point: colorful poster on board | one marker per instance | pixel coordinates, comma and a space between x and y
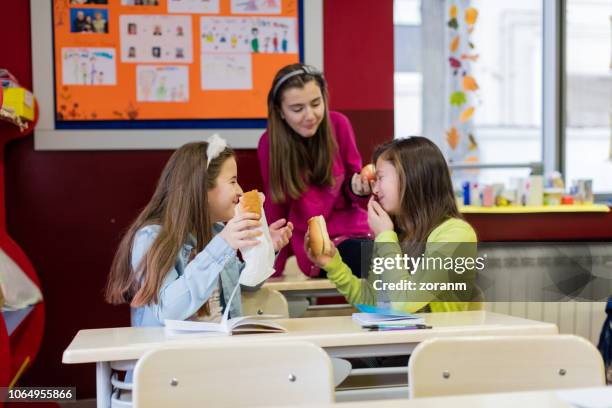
170, 59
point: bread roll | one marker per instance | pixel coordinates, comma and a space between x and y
320, 244
250, 202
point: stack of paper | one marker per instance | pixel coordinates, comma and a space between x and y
371, 315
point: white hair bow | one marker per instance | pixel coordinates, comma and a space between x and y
216, 145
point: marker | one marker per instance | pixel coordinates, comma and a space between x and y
390, 328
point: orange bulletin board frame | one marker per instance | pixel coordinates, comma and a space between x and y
84, 99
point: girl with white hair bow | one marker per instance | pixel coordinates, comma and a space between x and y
178, 260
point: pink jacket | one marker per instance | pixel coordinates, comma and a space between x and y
343, 211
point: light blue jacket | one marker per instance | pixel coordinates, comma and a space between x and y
189, 284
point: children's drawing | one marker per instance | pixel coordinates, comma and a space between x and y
226, 71
266, 35
156, 38
162, 83
88, 66
256, 6
194, 6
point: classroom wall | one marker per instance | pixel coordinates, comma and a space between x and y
67, 209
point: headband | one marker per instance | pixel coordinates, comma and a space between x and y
305, 69
216, 145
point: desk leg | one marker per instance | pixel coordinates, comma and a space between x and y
103, 384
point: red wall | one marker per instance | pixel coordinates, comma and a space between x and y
67, 209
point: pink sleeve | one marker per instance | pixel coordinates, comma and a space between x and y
350, 156
274, 211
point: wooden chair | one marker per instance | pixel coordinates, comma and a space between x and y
469, 365
287, 373
264, 301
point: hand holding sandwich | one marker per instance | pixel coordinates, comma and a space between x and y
318, 246
241, 231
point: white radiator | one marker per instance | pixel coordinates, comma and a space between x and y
581, 318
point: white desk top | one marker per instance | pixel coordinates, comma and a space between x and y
127, 343
599, 397
298, 283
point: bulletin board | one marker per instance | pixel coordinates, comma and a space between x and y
169, 63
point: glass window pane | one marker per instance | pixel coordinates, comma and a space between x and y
506, 63
588, 131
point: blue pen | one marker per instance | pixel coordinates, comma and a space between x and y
391, 328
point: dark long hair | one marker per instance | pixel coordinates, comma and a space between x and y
426, 191
297, 162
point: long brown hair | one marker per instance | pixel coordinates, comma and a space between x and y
426, 190
180, 206
297, 162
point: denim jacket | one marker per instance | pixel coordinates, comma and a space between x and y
189, 284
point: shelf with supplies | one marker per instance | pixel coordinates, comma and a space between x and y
577, 208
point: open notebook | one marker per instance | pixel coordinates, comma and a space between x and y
372, 315
237, 325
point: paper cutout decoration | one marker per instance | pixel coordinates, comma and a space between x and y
469, 83
452, 137
462, 86
457, 99
473, 145
454, 62
468, 57
467, 114
454, 45
471, 15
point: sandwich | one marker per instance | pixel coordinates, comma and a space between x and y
320, 244
250, 202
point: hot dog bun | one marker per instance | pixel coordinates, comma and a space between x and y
250, 202
320, 244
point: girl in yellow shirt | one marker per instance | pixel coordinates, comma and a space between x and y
412, 213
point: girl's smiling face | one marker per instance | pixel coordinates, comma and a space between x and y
386, 187
303, 108
223, 198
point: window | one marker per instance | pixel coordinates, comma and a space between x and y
507, 39
588, 92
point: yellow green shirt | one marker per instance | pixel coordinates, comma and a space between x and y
356, 290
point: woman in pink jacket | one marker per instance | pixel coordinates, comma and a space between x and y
310, 166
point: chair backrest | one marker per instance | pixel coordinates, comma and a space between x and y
264, 374
469, 365
264, 301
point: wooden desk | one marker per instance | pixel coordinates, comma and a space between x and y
300, 285
339, 336
297, 289
531, 399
